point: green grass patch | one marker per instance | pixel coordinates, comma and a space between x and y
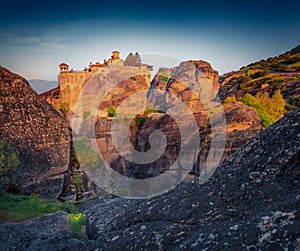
20, 207
85, 155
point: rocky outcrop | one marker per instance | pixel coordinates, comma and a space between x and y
251, 202
38, 134
52, 97
193, 83
242, 124
48, 232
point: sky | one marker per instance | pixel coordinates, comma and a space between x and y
36, 36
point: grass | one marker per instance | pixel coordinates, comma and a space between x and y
20, 207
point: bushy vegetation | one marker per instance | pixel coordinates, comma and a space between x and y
266, 118
149, 111
9, 163
77, 221
229, 100
111, 111
164, 78
269, 75
86, 114
85, 155
20, 207
139, 120
64, 107
273, 106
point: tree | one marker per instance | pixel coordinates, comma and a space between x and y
265, 117
138, 58
278, 104
133, 60
273, 106
264, 100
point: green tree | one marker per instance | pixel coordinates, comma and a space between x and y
278, 104
266, 118
264, 100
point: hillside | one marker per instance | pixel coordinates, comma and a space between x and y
275, 73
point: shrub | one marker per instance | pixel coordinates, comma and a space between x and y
77, 221
64, 107
139, 120
111, 111
133, 78
229, 99
266, 118
149, 111
9, 163
71, 207
86, 114
164, 78
20, 207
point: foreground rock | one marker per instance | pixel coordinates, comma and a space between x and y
49, 232
38, 134
250, 203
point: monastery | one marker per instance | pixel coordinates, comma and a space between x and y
71, 82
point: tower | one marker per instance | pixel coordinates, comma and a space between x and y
115, 55
63, 67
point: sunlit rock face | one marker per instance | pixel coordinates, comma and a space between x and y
193, 83
38, 134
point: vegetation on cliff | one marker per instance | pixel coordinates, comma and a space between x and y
276, 73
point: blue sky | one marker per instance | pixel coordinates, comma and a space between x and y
35, 36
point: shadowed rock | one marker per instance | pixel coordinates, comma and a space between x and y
38, 134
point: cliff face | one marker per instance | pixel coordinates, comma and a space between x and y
251, 202
39, 135
193, 83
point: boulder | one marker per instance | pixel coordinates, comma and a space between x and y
39, 135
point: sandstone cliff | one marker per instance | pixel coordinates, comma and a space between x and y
39, 135
193, 83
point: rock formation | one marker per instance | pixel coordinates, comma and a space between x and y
251, 202
193, 83
52, 97
38, 134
